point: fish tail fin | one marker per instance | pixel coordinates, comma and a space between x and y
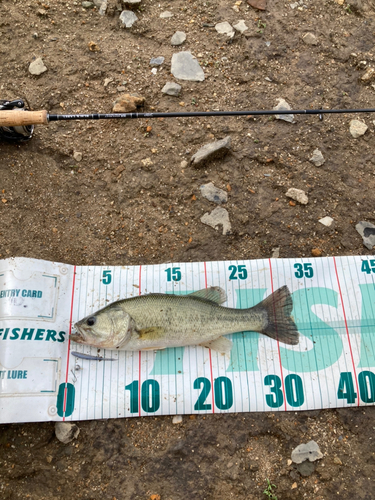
280, 325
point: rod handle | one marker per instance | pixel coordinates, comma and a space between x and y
19, 117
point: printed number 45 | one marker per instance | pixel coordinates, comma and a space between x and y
305, 270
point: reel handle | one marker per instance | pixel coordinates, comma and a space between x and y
15, 117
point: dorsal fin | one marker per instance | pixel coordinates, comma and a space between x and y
214, 294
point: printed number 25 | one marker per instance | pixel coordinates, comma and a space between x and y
242, 272
305, 270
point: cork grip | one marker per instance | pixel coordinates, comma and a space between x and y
15, 117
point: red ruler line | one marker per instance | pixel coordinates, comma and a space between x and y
209, 351
278, 345
70, 331
140, 355
347, 329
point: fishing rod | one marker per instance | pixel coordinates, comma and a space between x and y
17, 125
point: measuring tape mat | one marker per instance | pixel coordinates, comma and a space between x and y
332, 366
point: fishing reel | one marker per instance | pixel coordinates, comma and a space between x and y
17, 133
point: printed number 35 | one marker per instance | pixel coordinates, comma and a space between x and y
305, 270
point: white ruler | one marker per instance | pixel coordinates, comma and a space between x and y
333, 365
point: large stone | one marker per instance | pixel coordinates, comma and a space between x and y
208, 152
367, 231
317, 158
171, 88
214, 194
128, 18
357, 128
309, 451
178, 38
225, 28
37, 67
126, 103
297, 195
66, 431
186, 67
218, 217
283, 106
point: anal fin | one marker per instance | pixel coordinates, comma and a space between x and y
222, 344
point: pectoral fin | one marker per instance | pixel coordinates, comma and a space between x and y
222, 344
214, 294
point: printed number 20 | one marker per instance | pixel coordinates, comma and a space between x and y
305, 270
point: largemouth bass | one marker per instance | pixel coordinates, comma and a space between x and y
158, 321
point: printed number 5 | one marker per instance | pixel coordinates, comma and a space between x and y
305, 270
107, 277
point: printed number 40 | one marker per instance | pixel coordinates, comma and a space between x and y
305, 270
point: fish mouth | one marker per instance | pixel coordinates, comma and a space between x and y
77, 337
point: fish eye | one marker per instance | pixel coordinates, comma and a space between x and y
91, 321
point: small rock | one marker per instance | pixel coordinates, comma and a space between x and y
368, 76
185, 67
103, 7
306, 468
326, 221
367, 231
289, 462
37, 67
154, 71
177, 419
121, 88
155, 497
240, 26
297, 195
184, 164
337, 461
310, 39
127, 103
317, 158
283, 105
77, 156
258, 4
157, 61
66, 431
316, 252
218, 217
147, 162
128, 18
212, 193
309, 451
357, 128
93, 47
171, 88
294, 486
166, 14
225, 28
107, 81
178, 38
216, 149
87, 5
275, 253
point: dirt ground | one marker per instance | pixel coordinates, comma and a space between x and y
112, 208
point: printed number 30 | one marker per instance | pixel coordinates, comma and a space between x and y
305, 270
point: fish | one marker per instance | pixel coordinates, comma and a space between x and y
159, 321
